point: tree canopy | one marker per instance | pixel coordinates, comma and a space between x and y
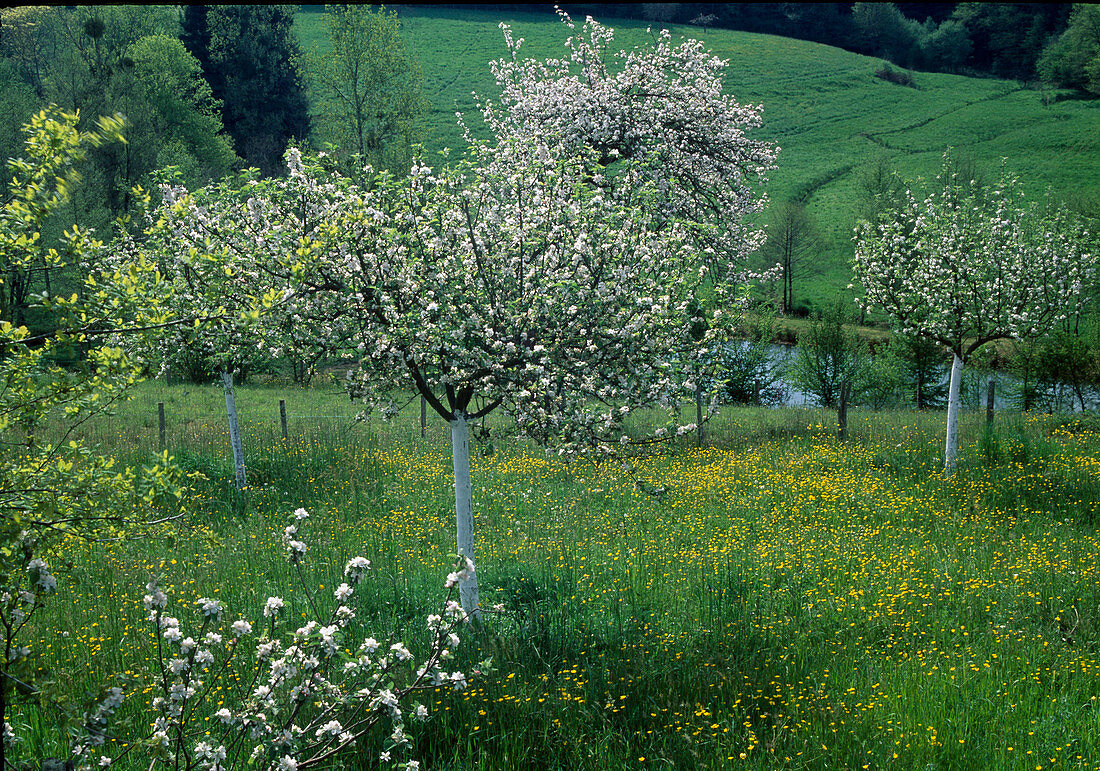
1073, 59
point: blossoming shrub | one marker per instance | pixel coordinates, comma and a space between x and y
296, 696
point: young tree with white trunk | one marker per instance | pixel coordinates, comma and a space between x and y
512, 282
216, 256
964, 265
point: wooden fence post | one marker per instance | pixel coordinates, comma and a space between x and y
160, 416
842, 410
700, 431
989, 402
234, 430
282, 416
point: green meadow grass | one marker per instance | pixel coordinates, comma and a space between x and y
783, 600
823, 106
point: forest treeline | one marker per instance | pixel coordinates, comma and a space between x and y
1004, 40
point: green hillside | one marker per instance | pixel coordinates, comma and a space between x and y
824, 106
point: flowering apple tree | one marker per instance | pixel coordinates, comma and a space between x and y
664, 110
963, 266
509, 281
656, 118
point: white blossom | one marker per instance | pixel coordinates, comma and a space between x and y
210, 608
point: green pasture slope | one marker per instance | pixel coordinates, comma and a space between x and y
825, 108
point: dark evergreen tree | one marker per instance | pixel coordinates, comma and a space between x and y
250, 58
195, 35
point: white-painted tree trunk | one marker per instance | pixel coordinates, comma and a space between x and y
234, 429
700, 431
952, 442
464, 509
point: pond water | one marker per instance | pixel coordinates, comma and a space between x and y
974, 388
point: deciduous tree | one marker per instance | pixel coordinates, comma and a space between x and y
551, 273
371, 102
830, 357
661, 111
218, 264
964, 265
1073, 59
791, 244
511, 278
53, 485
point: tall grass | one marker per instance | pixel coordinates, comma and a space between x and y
786, 600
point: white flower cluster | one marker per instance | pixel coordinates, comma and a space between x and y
17, 604
347, 694
465, 574
965, 266
39, 574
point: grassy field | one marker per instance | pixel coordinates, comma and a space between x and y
824, 106
788, 601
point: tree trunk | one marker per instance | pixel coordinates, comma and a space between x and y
700, 432
789, 277
234, 430
4, 714
952, 442
464, 509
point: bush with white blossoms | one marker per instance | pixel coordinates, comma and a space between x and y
21, 595
296, 697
